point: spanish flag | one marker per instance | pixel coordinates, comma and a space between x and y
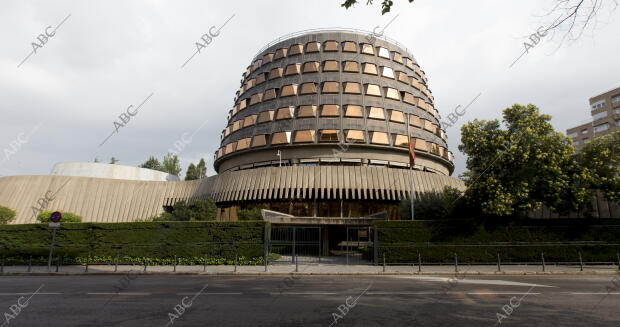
411, 151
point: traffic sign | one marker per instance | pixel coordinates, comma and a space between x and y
55, 217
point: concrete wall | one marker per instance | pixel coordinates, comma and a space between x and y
103, 170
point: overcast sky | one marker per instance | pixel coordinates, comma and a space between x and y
60, 104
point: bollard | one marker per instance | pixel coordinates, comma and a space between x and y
419, 262
235, 263
87, 260
542, 256
2, 266
57, 263
456, 263
296, 264
204, 267
499, 263
383, 261
580, 262
30, 264
146, 262
116, 263
175, 264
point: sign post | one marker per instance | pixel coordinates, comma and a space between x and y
55, 218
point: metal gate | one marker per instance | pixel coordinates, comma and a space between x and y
295, 243
359, 245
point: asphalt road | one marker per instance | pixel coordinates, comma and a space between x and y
150, 300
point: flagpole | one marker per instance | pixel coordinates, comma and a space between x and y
411, 186
411, 163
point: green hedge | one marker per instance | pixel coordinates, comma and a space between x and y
560, 240
158, 240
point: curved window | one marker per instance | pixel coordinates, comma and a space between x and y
292, 69
400, 140
259, 140
330, 87
370, 69
256, 98
288, 90
243, 144
408, 97
237, 125
250, 84
270, 94
285, 113
379, 138
268, 58
330, 66
304, 136
308, 88
260, 78
350, 67
381, 52
391, 93
408, 63
330, 46
352, 88
349, 46
256, 65
243, 104
230, 148
355, 136
227, 130
402, 77
330, 110
353, 111
281, 138
397, 116
367, 49
373, 89
265, 116
387, 72
414, 121
276, 73
295, 49
420, 144
313, 47
280, 53
415, 83
429, 126
311, 67
249, 121
433, 148
376, 113
397, 57
329, 135
306, 111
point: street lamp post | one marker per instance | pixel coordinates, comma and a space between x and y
279, 154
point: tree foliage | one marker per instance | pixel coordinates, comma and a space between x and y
199, 210
386, 5
6, 215
515, 170
249, 214
152, 163
196, 171
67, 217
171, 164
447, 204
201, 169
601, 157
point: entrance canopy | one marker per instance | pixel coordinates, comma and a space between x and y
275, 217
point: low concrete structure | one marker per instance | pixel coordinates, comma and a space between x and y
103, 170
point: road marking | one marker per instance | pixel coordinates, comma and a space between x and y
123, 293
593, 293
501, 293
213, 293
464, 279
405, 293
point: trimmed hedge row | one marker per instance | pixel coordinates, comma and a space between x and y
218, 240
560, 240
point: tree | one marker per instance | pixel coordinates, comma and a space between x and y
152, 163
113, 160
201, 169
447, 204
192, 173
601, 157
386, 5
171, 164
515, 170
250, 214
6, 215
199, 210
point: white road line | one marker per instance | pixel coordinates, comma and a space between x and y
124, 293
404, 293
593, 293
464, 279
303, 293
213, 293
501, 293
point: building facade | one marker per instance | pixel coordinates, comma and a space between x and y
605, 111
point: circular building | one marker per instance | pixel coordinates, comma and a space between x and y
320, 126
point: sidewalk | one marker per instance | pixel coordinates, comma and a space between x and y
316, 269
